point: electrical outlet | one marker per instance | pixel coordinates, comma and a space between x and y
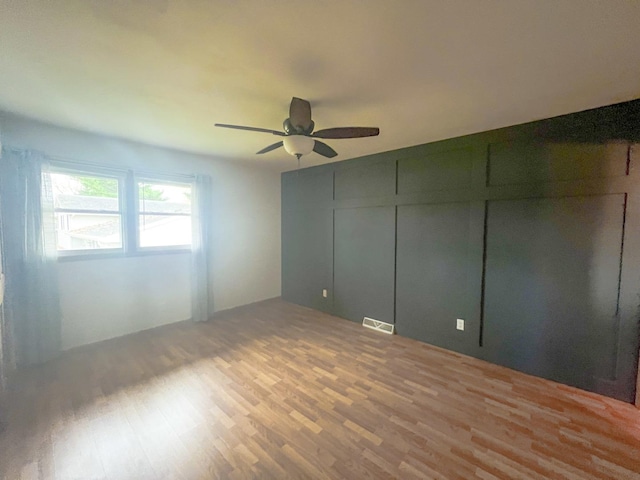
460, 324
324, 292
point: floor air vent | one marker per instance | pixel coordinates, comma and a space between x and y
378, 325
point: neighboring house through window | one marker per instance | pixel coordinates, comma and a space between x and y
88, 212
164, 214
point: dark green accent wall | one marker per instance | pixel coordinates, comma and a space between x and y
364, 241
531, 234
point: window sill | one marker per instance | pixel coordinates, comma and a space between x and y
114, 255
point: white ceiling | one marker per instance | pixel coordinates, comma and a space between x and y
164, 71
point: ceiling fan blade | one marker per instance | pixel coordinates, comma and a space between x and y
300, 113
251, 129
347, 132
324, 149
270, 147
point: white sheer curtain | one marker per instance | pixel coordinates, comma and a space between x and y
32, 304
201, 288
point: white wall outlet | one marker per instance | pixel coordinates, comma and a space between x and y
459, 323
324, 292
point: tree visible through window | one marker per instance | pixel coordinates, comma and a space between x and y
98, 187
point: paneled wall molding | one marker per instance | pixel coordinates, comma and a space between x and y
529, 234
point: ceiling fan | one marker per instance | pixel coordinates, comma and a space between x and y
299, 137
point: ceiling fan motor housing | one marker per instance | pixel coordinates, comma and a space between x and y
291, 129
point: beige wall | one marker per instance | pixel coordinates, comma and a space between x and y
112, 297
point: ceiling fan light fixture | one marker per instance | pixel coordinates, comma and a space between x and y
298, 144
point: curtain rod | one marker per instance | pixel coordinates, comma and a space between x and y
63, 161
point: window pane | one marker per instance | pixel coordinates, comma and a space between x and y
87, 212
88, 231
164, 198
164, 230
84, 192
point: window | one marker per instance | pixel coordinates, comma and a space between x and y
164, 214
88, 212
119, 212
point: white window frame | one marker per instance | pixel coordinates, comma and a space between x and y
128, 209
120, 177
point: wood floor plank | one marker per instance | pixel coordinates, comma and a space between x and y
274, 390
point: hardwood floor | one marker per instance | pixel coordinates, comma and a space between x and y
275, 390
